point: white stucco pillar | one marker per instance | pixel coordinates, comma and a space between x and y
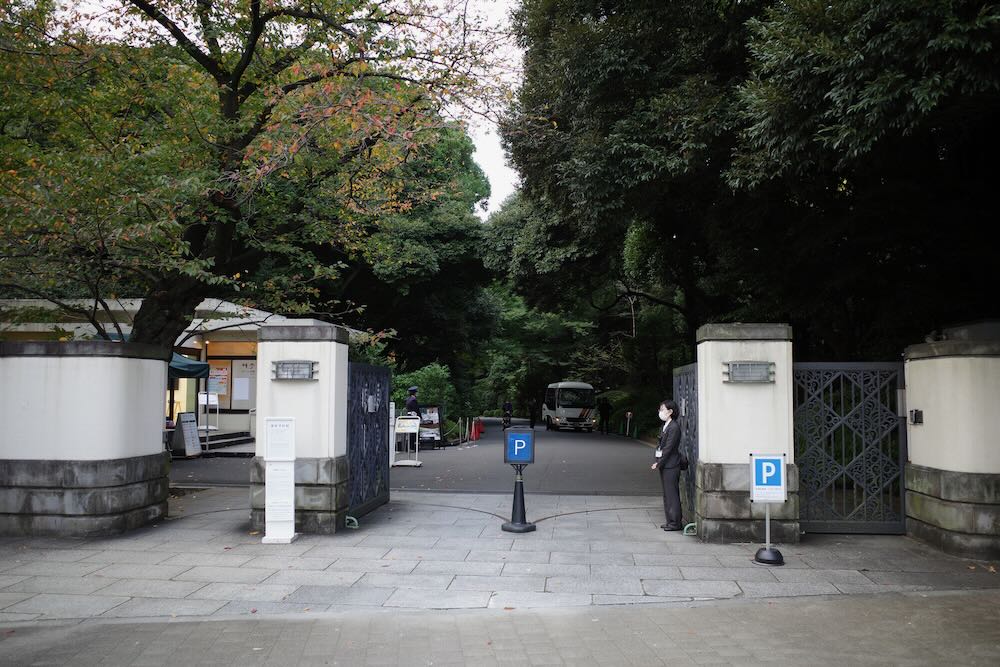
953, 437
318, 404
736, 418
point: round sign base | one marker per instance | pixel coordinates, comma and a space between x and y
512, 527
770, 556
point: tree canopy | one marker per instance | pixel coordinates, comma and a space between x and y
173, 150
826, 164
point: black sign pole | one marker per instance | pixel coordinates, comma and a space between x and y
518, 521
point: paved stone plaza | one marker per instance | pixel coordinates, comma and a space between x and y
598, 576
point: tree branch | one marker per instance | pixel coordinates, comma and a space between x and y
207, 30
310, 15
211, 65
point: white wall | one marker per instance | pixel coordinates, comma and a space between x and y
80, 408
960, 399
735, 419
318, 406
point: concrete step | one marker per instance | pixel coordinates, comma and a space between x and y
241, 449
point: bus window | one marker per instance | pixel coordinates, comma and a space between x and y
576, 398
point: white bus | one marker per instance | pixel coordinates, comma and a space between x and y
569, 405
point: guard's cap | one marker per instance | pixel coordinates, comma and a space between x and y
412, 389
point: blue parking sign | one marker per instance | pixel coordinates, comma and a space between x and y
519, 447
767, 478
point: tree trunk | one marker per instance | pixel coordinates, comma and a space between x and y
167, 310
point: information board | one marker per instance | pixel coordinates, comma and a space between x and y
186, 435
408, 424
279, 439
279, 480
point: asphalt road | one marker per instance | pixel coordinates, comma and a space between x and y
565, 463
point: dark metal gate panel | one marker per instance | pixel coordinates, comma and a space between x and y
850, 447
368, 437
686, 397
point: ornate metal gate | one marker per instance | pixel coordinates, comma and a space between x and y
850, 447
686, 397
368, 437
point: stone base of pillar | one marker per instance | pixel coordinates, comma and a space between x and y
82, 498
957, 512
321, 495
725, 514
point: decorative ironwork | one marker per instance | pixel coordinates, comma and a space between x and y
686, 397
368, 437
850, 447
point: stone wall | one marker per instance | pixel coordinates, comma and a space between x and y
957, 512
82, 498
725, 513
321, 494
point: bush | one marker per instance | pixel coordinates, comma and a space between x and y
435, 387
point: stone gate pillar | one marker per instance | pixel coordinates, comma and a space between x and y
318, 402
953, 433
740, 412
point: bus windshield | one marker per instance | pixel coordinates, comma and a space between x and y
576, 398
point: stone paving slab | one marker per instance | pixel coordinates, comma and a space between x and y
533, 600
465, 568
150, 607
511, 583
377, 565
360, 595
421, 599
764, 589
759, 573
72, 585
312, 578
547, 569
51, 605
134, 571
245, 592
232, 575
695, 589
290, 563
153, 588
608, 585
129, 557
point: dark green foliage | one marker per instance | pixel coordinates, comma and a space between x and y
831, 165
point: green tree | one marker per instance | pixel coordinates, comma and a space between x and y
435, 388
174, 150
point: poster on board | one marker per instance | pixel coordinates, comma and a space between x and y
430, 425
218, 380
185, 441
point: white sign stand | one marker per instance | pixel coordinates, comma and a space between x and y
392, 434
407, 425
768, 485
279, 480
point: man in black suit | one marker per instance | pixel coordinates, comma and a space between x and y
668, 462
